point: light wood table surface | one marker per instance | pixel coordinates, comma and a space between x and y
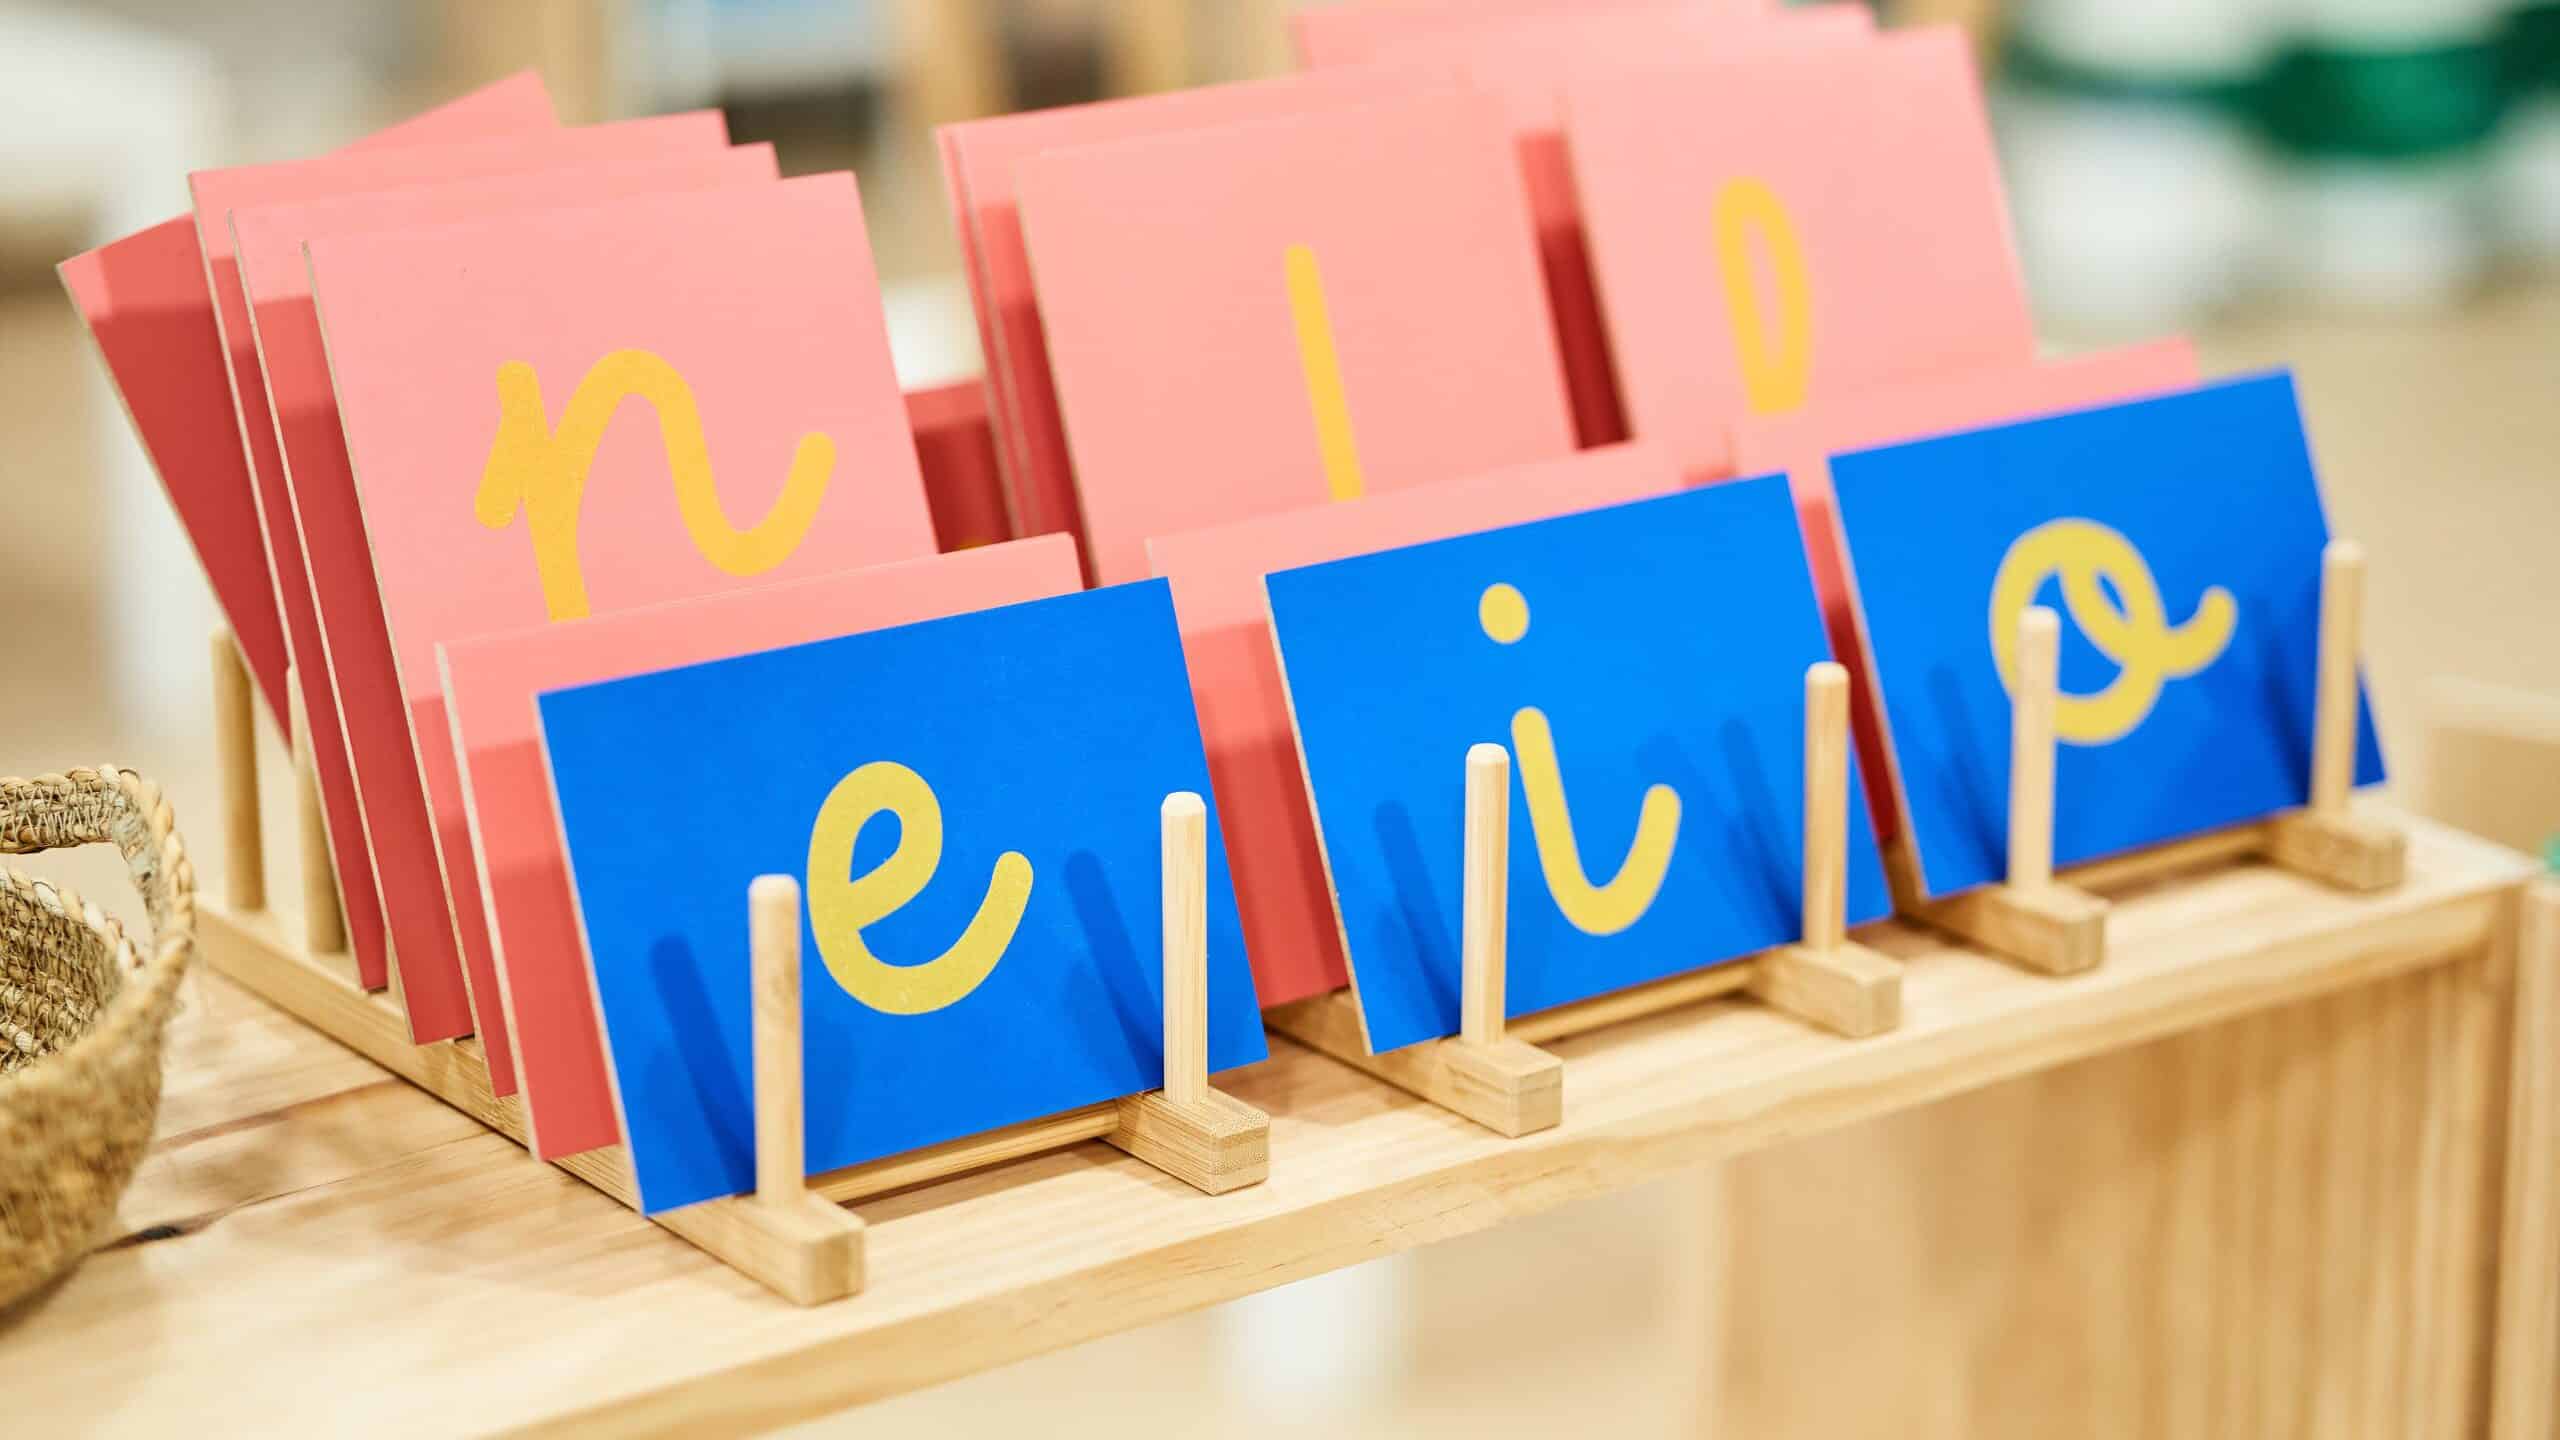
315, 1246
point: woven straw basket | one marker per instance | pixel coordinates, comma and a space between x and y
81, 1015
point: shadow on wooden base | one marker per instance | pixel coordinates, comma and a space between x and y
1513, 1087
1493, 1072
792, 1235
1216, 1145
1510, 1087
1493, 1069
2059, 926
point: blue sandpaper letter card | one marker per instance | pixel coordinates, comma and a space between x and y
2180, 541
1644, 664
972, 807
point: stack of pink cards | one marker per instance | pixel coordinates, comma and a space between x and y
479, 373
484, 408
981, 163
1524, 54
1801, 223
1249, 318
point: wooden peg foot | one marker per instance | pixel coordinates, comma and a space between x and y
1509, 1086
2325, 840
1846, 988
2030, 919
2052, 928
800, 1244
1211, 1142
2350, 852
1824, 979
807, 1250
1214, 1144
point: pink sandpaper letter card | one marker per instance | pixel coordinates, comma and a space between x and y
1526, 59
146, 304
1291, 929
220, 194
1810, 222
479, 370
1253, 318
490, 684
979, 161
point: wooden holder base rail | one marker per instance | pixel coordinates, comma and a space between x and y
793, 1234
2042, 923
1493, 1071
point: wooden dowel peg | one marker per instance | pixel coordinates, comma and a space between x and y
1826, 805
2053, 928
773, 921
2326, 840
791, 1238
2333, 717
1208, 1140
1484, 1072
1485, 918
2032, 687
1824, 979
1186, 948
324, 926
235, 746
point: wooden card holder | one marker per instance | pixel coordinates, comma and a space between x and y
2057, 927
793, 1233
1493, 1071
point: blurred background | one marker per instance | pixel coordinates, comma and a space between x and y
2366, 190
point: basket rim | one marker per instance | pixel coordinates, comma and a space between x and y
142, 1000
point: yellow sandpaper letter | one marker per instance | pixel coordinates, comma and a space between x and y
1503, 613
1777, 371
1335, 444
842, 905
543, 472
1593, 909
2130, 626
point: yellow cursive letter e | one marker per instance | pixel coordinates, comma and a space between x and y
841, 907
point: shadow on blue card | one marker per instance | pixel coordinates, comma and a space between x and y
1645, 665
972, 806
2179, 538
